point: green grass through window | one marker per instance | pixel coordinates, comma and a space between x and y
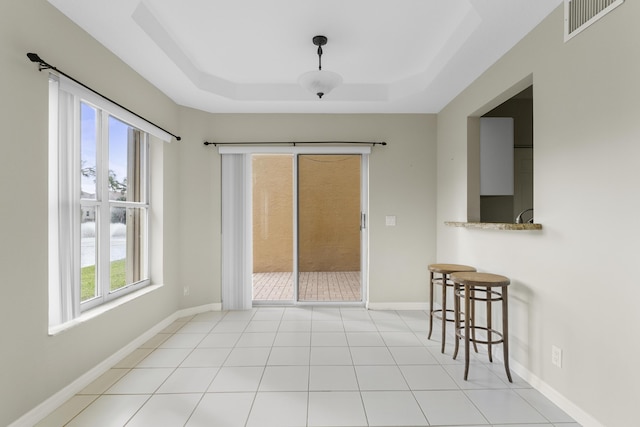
88, 279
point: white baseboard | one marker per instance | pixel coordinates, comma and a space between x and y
575, 412
197, 310
51, 404
398, 305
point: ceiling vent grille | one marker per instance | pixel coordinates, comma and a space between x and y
580, 14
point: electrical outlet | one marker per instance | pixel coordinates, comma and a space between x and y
186, 291
556, 356
390, 220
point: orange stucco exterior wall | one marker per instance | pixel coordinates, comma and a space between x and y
329, 213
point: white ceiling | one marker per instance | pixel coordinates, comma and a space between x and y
395, 56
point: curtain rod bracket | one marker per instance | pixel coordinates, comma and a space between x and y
44, 65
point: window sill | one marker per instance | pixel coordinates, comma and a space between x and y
101, 309
494, 225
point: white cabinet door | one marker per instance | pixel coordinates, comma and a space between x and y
496, 156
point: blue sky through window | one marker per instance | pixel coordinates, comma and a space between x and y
118, 139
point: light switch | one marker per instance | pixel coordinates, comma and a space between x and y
390, 220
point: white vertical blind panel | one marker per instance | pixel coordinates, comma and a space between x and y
236, 246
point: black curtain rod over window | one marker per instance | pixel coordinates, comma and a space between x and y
294, 143
43, 65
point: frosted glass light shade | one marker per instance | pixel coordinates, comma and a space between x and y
320, 82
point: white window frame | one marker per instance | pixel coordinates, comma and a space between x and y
65, 98
103, 205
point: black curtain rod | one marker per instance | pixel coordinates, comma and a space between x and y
43, 65
293, 143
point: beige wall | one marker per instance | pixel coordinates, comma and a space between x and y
573, 282
401, 182
34, 365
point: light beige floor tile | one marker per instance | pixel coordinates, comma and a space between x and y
106, 380
380, 378
279, 409
140, 381
371, 356
236, 379
285, 378
393, 408
188, 380
332, 378
165, 410
330, 356
289, 356
156, 340
109, 411
206, 358
64, 413
165, 358
135, 357
222, 409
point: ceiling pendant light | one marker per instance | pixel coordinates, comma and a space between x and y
320, 82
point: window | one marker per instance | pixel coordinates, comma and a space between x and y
99, 202
113, 202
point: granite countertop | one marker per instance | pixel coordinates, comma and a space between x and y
494, 225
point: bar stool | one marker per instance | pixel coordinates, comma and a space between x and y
444, 270
468, 285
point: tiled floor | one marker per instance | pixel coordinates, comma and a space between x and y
314, 286
303, 367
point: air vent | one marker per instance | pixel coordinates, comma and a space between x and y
579, 14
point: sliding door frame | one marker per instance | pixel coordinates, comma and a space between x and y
230, 259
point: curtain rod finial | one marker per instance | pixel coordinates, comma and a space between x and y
33, 57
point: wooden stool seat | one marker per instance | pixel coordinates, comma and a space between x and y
491, 288
444, 270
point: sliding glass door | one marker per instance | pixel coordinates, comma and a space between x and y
294, 225
272, 186
307, 220
329, 227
